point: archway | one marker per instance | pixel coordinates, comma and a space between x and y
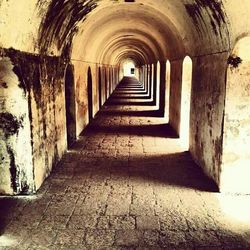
167, 90
90, 95
152, 91
158, 81
185, 102
70, 104
106, 83
236, 138
100, 86
129, 68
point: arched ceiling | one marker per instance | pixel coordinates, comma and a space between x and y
109, 31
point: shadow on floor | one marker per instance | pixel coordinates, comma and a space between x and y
153, 130
144, 113
130, 103
171, 170
131, 97
8, 207
176, 169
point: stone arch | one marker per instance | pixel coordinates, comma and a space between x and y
70, 104
90, 94
185, 101
236, 137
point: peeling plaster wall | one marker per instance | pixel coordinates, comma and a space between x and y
43, 80
46, 76
207, 109
16, 166
175, 95
236, 137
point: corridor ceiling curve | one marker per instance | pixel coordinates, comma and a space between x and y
107, 31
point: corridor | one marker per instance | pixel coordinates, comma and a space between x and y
125, 184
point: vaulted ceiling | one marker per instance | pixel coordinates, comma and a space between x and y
108, 31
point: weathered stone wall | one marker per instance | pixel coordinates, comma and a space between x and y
236, 137
175, 95
42, 79
207, 107
81, 78
16, 166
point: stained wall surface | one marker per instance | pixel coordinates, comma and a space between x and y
207, 108
236, 136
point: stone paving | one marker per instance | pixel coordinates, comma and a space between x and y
125, 184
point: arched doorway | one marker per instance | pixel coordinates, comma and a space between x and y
100, 86
185, 101
167, 90
235, 168
90, 95
158, 81
70, 104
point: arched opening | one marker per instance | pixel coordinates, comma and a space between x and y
100, 86
185, 102
152, 82
129, 68
90, 95
70, 104
106, 83
236, 138
158, 81
147, 87
167, 90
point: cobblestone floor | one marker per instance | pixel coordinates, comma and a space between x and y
126, 184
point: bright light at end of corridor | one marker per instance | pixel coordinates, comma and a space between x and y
129, 69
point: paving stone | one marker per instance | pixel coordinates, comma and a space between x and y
43, 238
201, 238
70, 237
100, 238
103, 222
128, 238
54, 221
122, 222
147, 222
151, 238
172, 239
82, 221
